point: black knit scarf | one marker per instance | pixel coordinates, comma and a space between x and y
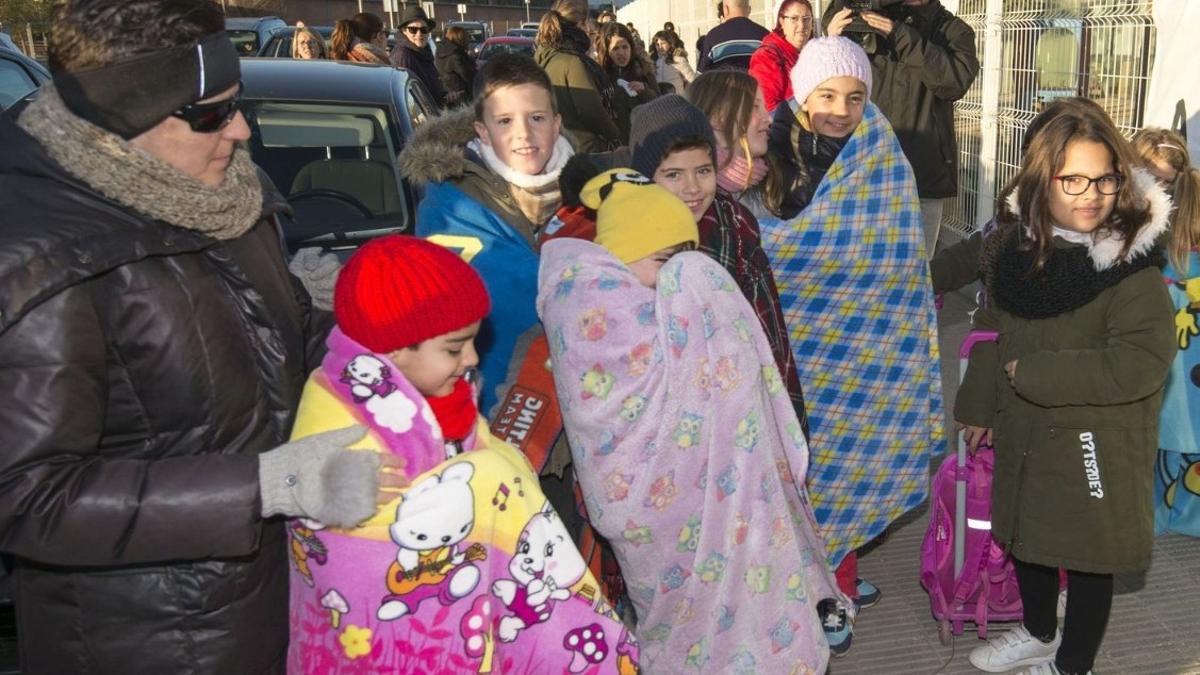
1068, 281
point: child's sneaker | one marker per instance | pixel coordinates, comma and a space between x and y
1014, 649
838, 631
868, 594
1046, 669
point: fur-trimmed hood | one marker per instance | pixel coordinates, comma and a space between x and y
1106, 251
437, 150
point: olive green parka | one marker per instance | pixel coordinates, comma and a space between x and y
1076, 430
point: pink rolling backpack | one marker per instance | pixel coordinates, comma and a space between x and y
967, 574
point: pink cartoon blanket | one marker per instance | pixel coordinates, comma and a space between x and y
691, 459
470, 570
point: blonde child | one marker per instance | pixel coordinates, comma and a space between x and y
469, 569
1072, 390
690, 455
1177, 473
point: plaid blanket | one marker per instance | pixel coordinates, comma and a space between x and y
856, 295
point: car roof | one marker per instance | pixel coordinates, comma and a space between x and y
247, 22
323, 31
320, 80
508, 40
479, 24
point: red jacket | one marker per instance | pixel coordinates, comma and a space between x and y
771, 65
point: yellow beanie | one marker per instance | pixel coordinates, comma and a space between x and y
635, 217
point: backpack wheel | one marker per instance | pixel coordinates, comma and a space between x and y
945, 635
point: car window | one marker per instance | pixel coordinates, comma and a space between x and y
497, 48
419, 106
336, 164
245, 41
15, 83
280, 46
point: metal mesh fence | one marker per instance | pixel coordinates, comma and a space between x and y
1050, 49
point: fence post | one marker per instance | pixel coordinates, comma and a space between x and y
989, 127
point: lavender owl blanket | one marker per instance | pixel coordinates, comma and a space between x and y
470, 570
691, 460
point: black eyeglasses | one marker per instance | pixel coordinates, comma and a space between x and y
207, 118
1077, 185
417, 30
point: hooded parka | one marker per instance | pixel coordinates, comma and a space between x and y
143, 368
582, 92
1076, 431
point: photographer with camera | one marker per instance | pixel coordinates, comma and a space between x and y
923, 59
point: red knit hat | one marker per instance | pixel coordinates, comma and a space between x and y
397, 291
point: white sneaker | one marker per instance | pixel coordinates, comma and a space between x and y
1014, 649
1045, 669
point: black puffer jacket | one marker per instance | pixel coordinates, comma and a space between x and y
143, 368
919, 71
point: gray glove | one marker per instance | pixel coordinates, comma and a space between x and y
317, 477
318, 272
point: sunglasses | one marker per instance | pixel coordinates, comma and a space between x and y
417, 30
207, 118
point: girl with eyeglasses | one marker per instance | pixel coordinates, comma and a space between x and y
360, 38
1177, 472
772, 62
1070, 393
306, 44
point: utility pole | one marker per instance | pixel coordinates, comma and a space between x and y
527, 19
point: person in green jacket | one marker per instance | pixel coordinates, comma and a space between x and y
1070, 393
585, 97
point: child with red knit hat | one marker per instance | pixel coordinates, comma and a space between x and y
471, 544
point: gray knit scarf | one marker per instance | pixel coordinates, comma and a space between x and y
136, 180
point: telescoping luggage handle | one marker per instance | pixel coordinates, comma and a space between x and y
973, 338
976, 337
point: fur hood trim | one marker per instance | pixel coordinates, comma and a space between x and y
437, 150
1106, 251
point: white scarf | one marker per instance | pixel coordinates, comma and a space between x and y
558, 159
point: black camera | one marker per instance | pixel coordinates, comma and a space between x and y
859, 30
857, 6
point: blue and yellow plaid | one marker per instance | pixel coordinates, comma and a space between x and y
856, 296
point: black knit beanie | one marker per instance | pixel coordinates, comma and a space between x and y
654, 126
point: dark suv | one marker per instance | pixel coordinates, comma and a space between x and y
250, 33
